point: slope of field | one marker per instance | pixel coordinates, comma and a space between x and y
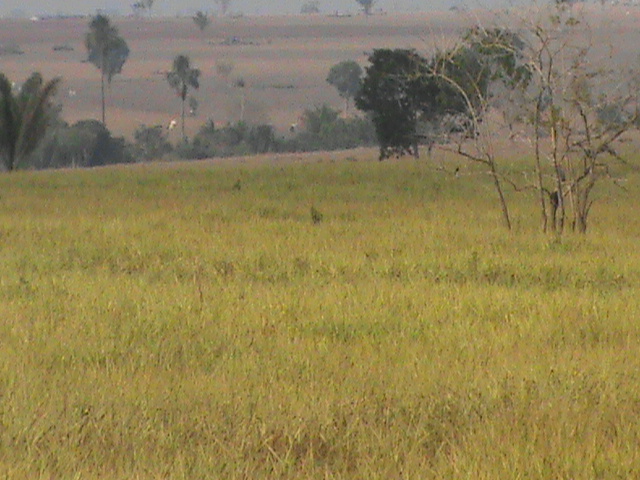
193, 321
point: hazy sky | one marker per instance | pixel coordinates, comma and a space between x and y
248, 7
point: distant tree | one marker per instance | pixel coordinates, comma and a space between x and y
86, 143
93, 145
399, 94
310, 7
224, 67
366, 5
201, 20
346, 77
181, 78
223, 6
138, 8
142, 6
107, 50
24, 117
151, 143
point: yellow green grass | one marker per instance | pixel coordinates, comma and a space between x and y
193, 322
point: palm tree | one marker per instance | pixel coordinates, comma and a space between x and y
24, 117
181, 78
107, 50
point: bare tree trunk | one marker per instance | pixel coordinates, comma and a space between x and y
503, 202
558, 224
104, 118
543, 204
183, 135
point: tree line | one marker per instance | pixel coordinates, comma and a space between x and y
33, 134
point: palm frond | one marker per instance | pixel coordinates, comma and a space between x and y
36, 118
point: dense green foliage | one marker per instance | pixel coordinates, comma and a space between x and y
25, 117
321, 129
413, 99
87, 143
346, 77
399, 93
151, 143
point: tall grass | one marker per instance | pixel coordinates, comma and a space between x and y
195, 322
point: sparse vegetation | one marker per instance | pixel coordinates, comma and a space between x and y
11, 49
310, 7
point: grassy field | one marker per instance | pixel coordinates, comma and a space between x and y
191, 321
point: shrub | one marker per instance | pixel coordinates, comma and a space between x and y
86, 143
151, 143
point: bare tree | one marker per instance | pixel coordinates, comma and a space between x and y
581, 106
573, 104
487, 60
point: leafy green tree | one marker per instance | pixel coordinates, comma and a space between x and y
181, 78
86, 143
107, 50
398, 93
346, 77
24, 117
151, 143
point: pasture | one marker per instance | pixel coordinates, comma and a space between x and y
192, 320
